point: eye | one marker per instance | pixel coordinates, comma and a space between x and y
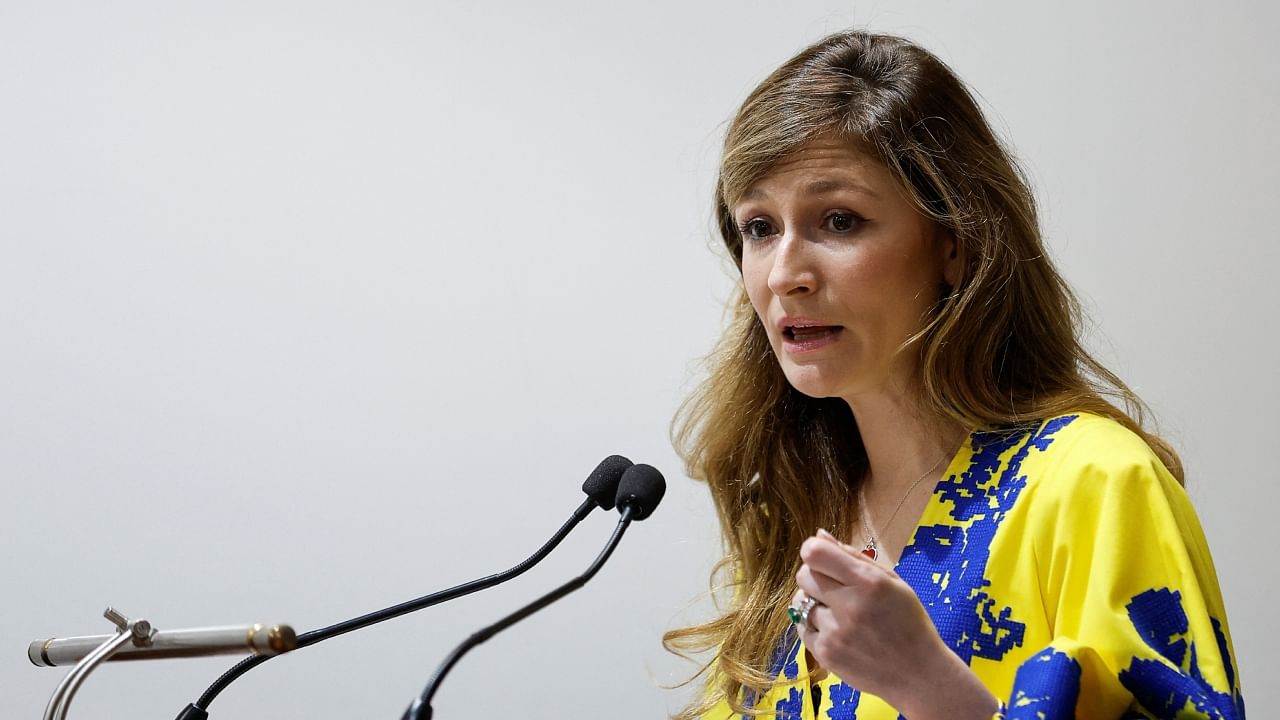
756, 228
842, 221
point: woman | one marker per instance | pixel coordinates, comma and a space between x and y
903, 350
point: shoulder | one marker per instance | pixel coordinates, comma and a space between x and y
1086, 434
1091, 472
1069, 472
1085, 454
1060, 456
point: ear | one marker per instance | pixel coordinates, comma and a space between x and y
949, 254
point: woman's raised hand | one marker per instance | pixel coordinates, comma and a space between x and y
870, 630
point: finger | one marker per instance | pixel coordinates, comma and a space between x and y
798, 602
822, 536
855, 551
821, 618
816, 636
832, 560
819, 586
807, 634
799, 597
826, 535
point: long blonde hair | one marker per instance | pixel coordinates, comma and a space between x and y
1000, 349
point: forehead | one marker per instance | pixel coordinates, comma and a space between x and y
824, 165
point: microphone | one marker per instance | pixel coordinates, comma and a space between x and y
639, 492
601, 487
641, 489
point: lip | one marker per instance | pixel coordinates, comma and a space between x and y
787, 321
794, 345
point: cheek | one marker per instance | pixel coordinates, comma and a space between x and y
876, 279
756, 284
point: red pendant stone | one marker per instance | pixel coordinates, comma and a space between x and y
870, 552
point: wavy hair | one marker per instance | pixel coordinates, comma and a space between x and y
1000, 349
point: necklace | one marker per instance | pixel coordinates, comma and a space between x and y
872, 549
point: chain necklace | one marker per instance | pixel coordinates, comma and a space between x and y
872, 549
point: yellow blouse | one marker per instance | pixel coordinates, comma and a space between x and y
1067, 568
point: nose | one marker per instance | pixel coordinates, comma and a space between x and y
792, 272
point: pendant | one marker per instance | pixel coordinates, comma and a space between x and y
870, 549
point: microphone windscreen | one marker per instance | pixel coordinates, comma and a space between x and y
602, 484
641, 488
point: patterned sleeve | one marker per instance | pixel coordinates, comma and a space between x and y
1138, 625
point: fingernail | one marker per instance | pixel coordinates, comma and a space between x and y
825, 534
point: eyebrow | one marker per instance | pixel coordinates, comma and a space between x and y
819, 187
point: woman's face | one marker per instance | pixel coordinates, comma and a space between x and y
841, 270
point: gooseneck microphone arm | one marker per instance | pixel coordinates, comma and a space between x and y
420, 709
639, 491
199, 709
601, 487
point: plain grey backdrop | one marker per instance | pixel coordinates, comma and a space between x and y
307, 308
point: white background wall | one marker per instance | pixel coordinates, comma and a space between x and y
307, 308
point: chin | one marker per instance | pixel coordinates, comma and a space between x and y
813, 384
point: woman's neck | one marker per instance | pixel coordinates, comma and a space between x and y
907, 452
901, 441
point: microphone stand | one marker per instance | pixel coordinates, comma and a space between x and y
137, 639
137, 631
420, 709
199, 709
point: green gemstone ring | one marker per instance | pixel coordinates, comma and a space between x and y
800, 615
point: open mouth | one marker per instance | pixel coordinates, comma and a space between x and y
809, 333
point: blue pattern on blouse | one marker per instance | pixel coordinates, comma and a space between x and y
1046, 687
1161, 621
844, 702
970, 621
784, 661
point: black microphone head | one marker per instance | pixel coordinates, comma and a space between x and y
641, 489
602, 484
